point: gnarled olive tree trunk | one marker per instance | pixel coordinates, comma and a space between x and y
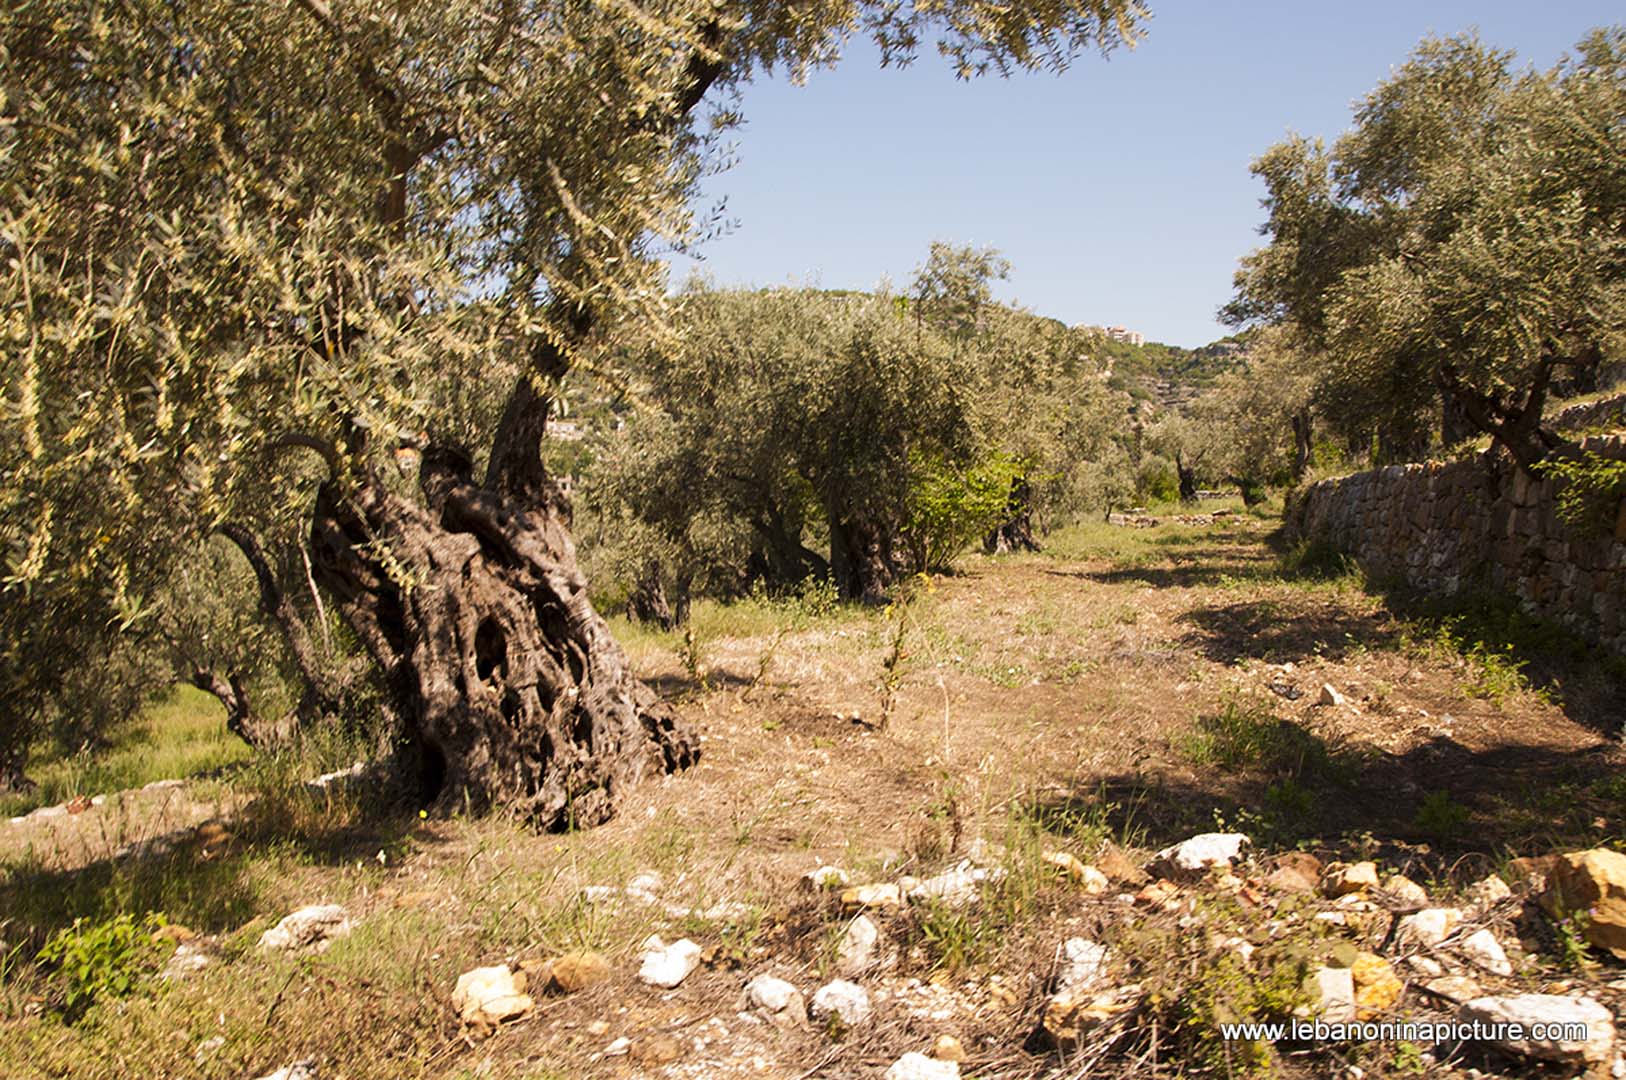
511, 686
1016, 532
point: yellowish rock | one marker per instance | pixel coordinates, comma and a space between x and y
1594, 882
579, 970
948, 1048
884, 896
1377, 987
1342, 880
1406, 891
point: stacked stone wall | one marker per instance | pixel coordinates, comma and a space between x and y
1446, 527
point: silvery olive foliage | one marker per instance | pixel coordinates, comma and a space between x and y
234, 233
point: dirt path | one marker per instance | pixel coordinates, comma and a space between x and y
1132, 686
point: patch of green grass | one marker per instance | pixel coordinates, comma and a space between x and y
1246, 733
1441, 816
183, 734
1497, 641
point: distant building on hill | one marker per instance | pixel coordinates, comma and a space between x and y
1119, 333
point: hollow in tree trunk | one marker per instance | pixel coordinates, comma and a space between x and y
511, 687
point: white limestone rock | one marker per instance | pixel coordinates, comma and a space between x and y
1483, 949
1546, 1010
311, 927
773, 995
666, 966
1199, 853
842, 1001
917, 1066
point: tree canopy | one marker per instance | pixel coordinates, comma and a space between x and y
1460, 251
249, 253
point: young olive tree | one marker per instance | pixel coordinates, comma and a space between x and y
243, 242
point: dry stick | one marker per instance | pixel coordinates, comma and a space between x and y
276, 1001
321, 610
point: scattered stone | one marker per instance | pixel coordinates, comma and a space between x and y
1483, 949
46, 812
1454, 988
1429, 926
299, 1070
165, 785
666, 965
825, 877
577, 971
207, 1047
915, 1066
1088, 877
658, 1049
1405, 892
842, 1002
948, 1048
773, 995
1296, 871
1112, 862
1198, 854
859, 947
1530, 1010
1341, 880
1330, 695
957, 887
488, 996
644, 886
1334, 989
314, 926
1158, 894
1426, 964
1594, 882
1377, 987
617, 1048
187, 959
1084, 967
1488, 891
883, 897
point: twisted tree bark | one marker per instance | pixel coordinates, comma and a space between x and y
512, 688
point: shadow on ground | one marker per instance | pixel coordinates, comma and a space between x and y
208, 878
1440, 803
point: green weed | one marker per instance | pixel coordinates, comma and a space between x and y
99, 959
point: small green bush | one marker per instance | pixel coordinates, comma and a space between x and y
950, 508
1590, 489
107, 958
1441, 816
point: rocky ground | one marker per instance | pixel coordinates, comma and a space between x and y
1055, 816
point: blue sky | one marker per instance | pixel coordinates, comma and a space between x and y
1119, 190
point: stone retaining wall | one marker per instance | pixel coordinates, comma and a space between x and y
1448, 526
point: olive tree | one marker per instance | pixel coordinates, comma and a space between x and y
243, 247
1461, 249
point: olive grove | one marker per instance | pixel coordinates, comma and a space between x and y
263, 264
